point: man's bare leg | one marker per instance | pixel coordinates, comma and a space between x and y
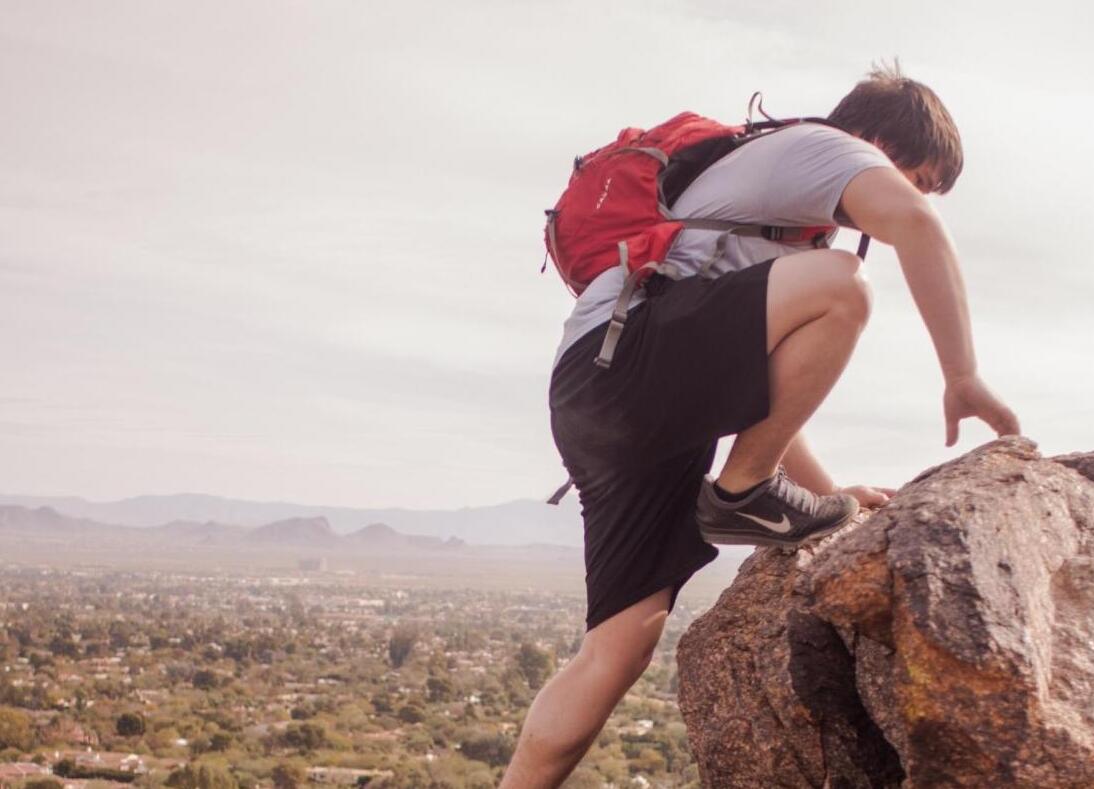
817, 305
569, 711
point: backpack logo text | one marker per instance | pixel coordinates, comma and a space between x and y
604, 194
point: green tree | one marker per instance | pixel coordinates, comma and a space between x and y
63, 645
120, 634
411, 713
649, 760
289, 775
220, 741
516, 692
493, 748
40, 660
16, 730
129, 724
205, 679
535, 664
440, 689
382, 702
203, 775
305, 736
401, 643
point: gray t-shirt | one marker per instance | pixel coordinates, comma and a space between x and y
794, 176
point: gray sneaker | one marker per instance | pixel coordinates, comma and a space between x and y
780, 512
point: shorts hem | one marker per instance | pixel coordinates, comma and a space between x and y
676, 581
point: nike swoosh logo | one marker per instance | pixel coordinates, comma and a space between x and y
782, 527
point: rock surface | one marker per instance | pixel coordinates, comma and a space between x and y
945, 640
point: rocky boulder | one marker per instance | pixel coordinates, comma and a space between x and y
944, 640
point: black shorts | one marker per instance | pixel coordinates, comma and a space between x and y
637, 438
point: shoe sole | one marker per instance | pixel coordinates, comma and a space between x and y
729, 538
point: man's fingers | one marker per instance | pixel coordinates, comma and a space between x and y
872, 497
873, 500
976, 400
1005, 423
868, 496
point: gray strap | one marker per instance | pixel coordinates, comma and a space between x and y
611, 340
697, 223
718, 253
619, 312
624, 254
557, 496
667, 270
770, 232
786, 234
656, 153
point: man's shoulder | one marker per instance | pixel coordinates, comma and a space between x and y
791, 176
790, 157
813, 134
805, 150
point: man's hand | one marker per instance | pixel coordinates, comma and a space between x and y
867, 496
970, 396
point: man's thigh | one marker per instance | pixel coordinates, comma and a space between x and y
802, 287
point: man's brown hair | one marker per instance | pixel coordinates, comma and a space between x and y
906, 119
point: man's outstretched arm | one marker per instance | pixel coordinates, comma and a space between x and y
884, 204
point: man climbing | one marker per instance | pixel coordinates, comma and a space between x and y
752, 351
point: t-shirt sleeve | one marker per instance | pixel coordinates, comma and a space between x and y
806, 179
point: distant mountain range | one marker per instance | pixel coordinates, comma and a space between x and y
513, 523
522, 544
45, 524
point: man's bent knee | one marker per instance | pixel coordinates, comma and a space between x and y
622, 647
809, 285
615, 669
848, 286
853, 299
625, 658
849, 262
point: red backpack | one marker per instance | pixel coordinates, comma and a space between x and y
615, 210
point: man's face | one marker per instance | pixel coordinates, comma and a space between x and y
924, 178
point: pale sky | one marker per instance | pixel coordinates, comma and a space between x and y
291, 251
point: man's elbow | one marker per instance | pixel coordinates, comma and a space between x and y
883, 204
913, 224
908, 223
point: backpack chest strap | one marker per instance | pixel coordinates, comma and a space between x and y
815, 234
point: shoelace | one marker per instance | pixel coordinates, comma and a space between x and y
793, 494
